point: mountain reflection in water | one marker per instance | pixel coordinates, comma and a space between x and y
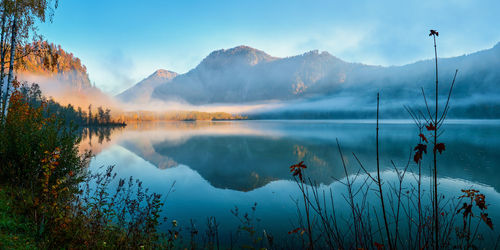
243, 155
219, 165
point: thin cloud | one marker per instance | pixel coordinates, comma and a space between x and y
117, 67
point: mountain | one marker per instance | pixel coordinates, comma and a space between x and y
244, 74
476, 93
60, 74
316, 82
46, 60
141, 92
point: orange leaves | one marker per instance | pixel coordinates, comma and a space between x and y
417, 157
18, 107
468, 193
467, 210
422, 136
439, 147
487, 220
21, 112
479, 200
51, 159
50, 162
297, 169
299, 230
430, 127
378, 245
420, 150
15, 83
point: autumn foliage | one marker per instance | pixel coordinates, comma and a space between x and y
48, 184
27, 134
39, 162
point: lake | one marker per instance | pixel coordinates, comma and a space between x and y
217, 166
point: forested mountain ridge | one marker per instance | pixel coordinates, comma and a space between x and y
50, 61
60, 74
243, 74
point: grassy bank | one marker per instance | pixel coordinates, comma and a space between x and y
16, 231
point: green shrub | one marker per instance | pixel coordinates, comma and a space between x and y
49, 187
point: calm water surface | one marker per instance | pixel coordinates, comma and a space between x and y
219, 165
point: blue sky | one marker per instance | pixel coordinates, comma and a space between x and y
122, 42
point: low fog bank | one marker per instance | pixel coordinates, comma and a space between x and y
475, 95
364, 107
65, 92
156, 105
346, 104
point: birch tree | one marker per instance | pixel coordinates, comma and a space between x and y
22, 16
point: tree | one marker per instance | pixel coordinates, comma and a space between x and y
100, 112
22, 15
107, 116
2, 45
89, 122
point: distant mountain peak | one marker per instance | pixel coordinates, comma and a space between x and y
246, 49
141, 91
163, 74
317, 53
236, 56
312, 52
243, 47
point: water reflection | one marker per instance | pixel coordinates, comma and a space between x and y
97, 138
244, 155
217, 165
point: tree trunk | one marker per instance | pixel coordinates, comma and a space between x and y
2, 51
13, 43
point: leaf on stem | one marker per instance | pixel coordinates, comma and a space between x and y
422, 136
439, 147
430, 127
378, 245
487, 220
433, 32
420, 149
297, 169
